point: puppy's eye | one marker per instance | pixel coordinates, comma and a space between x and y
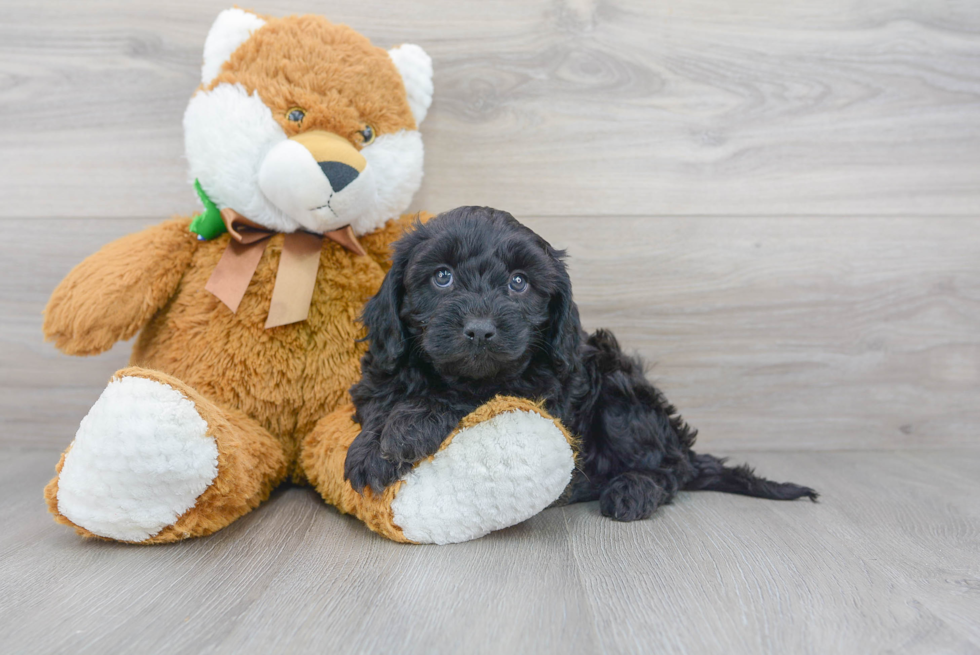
295, 115
442, 278
367, 135
518, 283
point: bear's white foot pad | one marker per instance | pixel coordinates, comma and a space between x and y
140, 459
491, 476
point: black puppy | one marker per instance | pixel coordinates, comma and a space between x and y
477, 305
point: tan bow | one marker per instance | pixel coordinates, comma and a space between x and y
295, 278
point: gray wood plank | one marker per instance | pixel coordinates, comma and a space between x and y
573, 107
882, 564
89, 597
44, 411
514, 591
767, 333
776, 204
965, 467
294, 576
766, 577
793, 332
926, 535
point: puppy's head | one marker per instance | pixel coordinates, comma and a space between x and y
476, 294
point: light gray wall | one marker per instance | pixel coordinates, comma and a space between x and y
777, 203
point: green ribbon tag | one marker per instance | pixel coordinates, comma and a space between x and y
207, 225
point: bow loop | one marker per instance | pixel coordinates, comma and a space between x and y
243, 230
295, 277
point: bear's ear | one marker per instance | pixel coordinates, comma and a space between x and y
415, 67
231, 28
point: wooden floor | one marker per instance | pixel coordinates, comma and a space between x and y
777, 203
888, 561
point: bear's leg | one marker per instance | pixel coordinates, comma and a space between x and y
506, 462
154, 461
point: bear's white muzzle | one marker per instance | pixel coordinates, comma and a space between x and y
318, 179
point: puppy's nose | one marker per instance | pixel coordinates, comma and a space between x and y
479, 330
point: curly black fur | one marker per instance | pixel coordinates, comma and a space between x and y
506, 324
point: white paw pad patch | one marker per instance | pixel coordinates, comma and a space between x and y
491, 476
140, 459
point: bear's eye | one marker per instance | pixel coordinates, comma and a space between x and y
518, 283
296, 115
442, 278
367, 135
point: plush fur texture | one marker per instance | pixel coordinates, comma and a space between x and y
415, 67
477, 305
276, 383
286, 378
231, 28
501, 470
133, 277
266, 399
250, 463
486, 481
140, 459
236, 125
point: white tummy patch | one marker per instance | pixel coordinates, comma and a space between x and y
140, 459
491, 476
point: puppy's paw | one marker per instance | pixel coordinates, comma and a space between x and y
366, 467
410, 444
630, 497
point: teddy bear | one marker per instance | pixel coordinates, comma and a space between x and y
302, 143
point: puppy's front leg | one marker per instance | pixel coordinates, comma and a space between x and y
413, 431
365, 467
390, 444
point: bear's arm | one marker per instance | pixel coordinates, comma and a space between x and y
378, 243
114, 292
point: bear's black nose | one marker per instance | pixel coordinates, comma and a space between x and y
479, 330
339, 174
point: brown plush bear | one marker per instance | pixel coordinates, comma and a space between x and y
303, 145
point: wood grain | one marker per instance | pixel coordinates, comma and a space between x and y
884, 563
793, 332
543, 107
926, 534
780, 333
804, 579
776, 203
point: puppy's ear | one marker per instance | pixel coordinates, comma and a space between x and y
565, 331
385, 330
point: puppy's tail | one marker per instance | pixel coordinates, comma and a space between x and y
711, 474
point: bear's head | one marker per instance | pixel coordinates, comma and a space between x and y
300, 124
